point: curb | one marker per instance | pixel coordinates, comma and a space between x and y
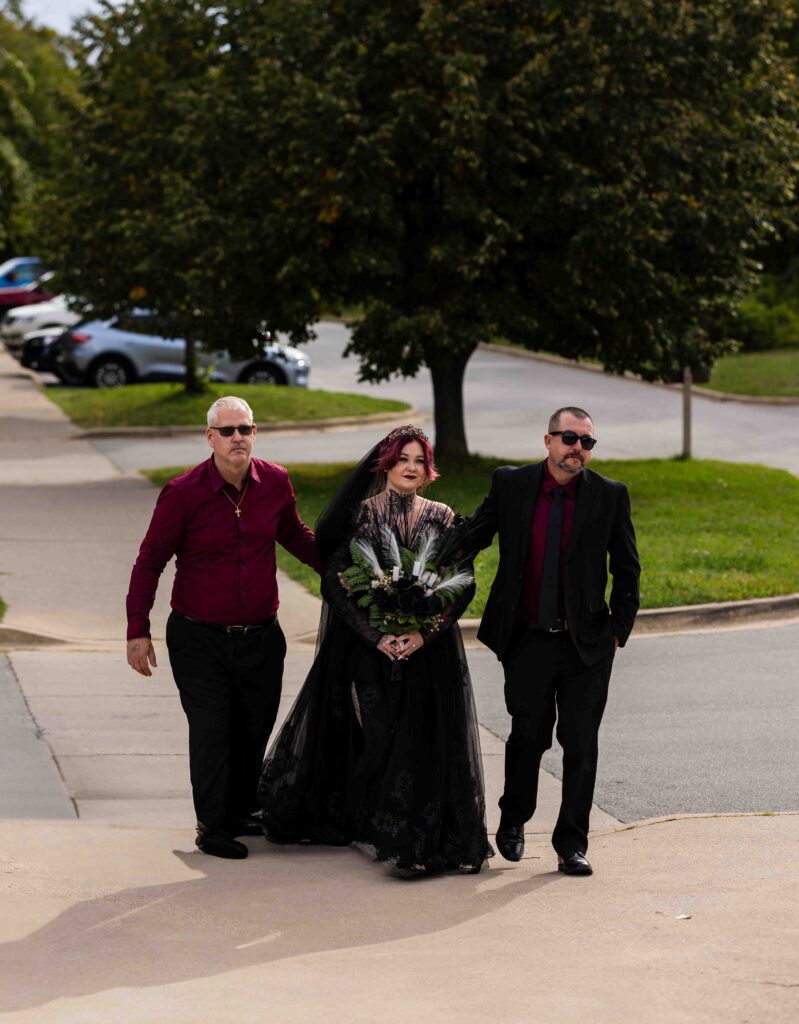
681, 618
695, 616
399, 417
10, 636
702, 392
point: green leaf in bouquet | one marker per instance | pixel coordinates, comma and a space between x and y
408, 558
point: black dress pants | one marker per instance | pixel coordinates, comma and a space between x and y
545, 680
229, 688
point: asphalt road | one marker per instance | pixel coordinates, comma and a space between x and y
508, 401
703, 722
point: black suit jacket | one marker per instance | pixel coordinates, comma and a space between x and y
602, 533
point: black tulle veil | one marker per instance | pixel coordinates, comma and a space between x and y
335, 519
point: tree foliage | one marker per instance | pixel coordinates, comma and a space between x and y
153, 205
36, 88
591, 178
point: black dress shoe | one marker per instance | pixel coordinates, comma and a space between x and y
248, 825
510, 841
218, 843
574, 863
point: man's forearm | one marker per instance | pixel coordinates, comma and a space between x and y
140, 599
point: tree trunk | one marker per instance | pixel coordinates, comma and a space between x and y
194, 386
448, 406
687, 384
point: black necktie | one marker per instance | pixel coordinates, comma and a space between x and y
548, 599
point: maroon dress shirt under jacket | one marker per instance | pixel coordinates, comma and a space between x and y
531, 589
225, 565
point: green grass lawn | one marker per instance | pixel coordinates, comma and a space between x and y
707, 531
159, 405
767, 374
774, 374
3, 607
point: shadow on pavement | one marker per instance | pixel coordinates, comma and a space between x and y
275, 905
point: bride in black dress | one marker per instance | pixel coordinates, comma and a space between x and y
381, 746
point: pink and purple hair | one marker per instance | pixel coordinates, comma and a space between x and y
391, 449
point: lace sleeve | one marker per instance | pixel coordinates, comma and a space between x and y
335, 595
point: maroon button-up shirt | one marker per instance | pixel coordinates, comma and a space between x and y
225, 565
531, 589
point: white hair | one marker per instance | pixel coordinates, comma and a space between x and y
228, 402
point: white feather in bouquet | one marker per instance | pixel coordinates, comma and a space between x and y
456, 582
366, 550
390, 545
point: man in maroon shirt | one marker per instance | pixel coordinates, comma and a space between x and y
546, 619
226, 649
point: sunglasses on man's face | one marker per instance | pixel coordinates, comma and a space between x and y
570, 437
244, 429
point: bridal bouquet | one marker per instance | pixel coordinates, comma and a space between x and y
402, 590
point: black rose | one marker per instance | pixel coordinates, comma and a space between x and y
427, 606
405, 600
385, 600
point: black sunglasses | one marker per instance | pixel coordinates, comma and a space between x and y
570, 437
244, 429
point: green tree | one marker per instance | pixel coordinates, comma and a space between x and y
37, 87
590, 178
16, 182
155, 193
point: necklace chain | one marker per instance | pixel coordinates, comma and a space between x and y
237, 508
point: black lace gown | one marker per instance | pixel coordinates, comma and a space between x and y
382, 753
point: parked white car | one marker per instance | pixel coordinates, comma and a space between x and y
40, 316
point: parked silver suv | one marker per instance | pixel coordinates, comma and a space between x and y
126, 349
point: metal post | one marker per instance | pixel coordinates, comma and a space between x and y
687, 383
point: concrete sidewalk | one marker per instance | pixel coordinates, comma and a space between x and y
684, 922
111, 914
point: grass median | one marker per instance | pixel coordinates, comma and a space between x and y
767, 374
771, 374
168, 405
707, 531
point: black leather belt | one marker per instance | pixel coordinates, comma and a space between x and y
256, 627
558, 626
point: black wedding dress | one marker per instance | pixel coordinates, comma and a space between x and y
382, 753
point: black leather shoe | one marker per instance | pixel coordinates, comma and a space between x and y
218, 843
248, 825
510, 841
574, 863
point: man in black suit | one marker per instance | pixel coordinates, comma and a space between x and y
560, 525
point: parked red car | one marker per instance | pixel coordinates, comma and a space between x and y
25, 294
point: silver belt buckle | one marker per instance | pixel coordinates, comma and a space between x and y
237, 630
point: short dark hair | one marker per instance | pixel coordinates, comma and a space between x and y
554, 419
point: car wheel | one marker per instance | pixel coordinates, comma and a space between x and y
263, 373
110, 372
